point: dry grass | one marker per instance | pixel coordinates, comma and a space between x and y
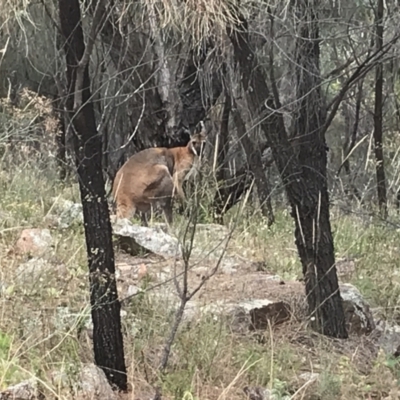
42, 320
208, 361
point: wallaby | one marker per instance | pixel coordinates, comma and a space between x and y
152, 177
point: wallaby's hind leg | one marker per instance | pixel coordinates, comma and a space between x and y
144, 219
125, 209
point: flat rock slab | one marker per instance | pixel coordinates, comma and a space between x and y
153, 240
255, 314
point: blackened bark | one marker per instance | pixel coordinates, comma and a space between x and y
319, 253
378, 134
107, 336
304, 180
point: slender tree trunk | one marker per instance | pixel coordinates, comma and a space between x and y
107, 336
220, 162
350, 142
315, 241
378, 134
253, 156
304, 180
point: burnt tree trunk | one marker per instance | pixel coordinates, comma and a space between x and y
318, 254
304, 179
107, 336
378, 134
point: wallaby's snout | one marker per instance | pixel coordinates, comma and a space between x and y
198, 140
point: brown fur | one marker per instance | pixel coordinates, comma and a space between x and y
152, 177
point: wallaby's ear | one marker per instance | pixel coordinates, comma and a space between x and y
203, 129
202, 133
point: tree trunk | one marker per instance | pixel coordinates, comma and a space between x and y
378, 134
350, 142
304, 180
255, 165
107, 336
314, 238
220, 154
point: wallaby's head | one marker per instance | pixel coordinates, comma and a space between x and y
197, 140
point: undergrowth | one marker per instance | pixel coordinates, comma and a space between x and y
43, 322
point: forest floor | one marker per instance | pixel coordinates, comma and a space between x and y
45, 318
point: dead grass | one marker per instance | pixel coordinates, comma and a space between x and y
208, 360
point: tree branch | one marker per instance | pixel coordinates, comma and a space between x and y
368, 64
98, 19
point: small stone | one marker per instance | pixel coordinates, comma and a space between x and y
34, 242
357, 311
142, 271
306, 377
35, 268
132, 291
389, 338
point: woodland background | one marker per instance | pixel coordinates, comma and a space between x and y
323, 75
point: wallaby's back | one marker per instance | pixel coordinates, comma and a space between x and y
151, 177
145, 180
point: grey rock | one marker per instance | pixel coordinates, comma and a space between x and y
389, 337
308, 377
229, 266
357, 311
69, 213
37, 269
254, 314
60, 378
260, 393
154, 240
26, 390
132, 291
94, 384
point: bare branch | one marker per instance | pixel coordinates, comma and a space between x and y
366, 66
